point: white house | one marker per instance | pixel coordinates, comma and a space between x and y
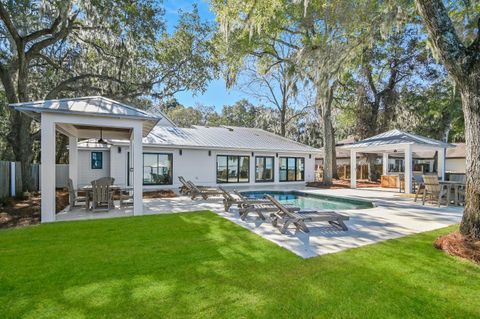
147, 151
205, 155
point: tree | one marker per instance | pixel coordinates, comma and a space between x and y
242, 113
51, 49
324, 34
273, 80
462, 62
393, 62
184, 116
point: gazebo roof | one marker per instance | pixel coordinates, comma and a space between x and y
394, 138
90, 105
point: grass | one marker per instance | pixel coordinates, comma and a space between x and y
200, 265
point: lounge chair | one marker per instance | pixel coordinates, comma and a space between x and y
185, 188
299, 218
261, 208
434, 190
229, 200
203, 191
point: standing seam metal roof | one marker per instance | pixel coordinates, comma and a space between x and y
228, 137
397, 137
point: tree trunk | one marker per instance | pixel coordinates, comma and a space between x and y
282, 122
470, 225
327, 149
324, 102
334, 156
372, 174
21, 143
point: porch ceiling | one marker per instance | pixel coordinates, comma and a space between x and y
88, 132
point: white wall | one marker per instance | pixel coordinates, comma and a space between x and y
455, 165
118, 165
85, 172
198, 166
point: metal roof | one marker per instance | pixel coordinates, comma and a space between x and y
395, 137
224, 137
90, 105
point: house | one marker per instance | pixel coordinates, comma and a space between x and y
206, 155
147, 151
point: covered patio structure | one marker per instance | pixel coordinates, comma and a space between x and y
86, 118
395, 142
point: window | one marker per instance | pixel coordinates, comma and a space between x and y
97, 160
233, 169
292, 169
264, 169
157, 169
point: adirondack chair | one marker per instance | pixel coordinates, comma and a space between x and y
202, 191
229, 200
126, 197
74, 197
434, 190
419, 185
299, 218
102, 195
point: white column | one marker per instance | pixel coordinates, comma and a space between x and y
73, 160
353, 169
47, 186
441, 163
137, 164
408, 169
385, 163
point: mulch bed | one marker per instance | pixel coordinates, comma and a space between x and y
345, 183
160, 194
23, 212
456, 244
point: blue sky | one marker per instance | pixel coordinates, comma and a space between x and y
216, 95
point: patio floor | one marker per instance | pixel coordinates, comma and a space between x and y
395, 215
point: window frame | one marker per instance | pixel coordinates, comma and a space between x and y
170, 158
92, 161
264, 164
296, 171
238, 169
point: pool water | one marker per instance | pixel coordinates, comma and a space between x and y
312, 201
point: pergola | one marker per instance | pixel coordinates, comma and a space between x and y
86, 118
396, 141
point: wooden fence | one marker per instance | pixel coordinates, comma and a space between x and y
6, 169
343, 171
4, 179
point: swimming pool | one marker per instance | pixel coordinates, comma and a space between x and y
312, 201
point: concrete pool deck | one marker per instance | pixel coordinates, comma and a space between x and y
394, 215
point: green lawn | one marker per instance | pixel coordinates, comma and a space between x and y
200, 265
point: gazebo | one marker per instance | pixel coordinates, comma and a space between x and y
396, 141
85, 118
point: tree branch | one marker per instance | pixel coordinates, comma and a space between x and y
66, 28
65, 84
39, 33
5, 16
